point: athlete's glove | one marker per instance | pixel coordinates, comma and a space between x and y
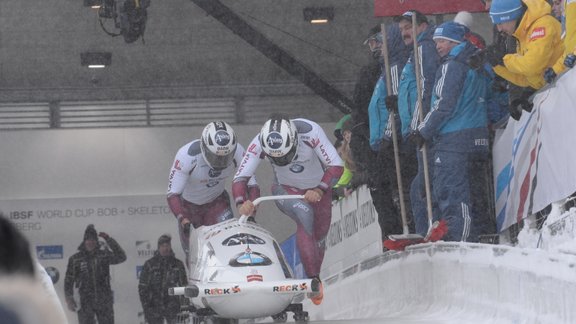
104, 235
549, 75
570, 60
391, 103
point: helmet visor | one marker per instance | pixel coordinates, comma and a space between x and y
217, 162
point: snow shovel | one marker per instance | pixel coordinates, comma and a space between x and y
392, 119
436, 230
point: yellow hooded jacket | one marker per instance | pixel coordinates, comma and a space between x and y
570, 35
539, 46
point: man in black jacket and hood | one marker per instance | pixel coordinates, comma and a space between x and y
89, 271
159, 273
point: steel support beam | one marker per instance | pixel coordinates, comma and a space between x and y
275, 53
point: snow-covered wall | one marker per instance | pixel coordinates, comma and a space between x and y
451, 282
456, 283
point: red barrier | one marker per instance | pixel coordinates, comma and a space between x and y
385, 8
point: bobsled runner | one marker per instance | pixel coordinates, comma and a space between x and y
238, 271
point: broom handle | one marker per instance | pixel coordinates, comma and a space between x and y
421, 118
392, 117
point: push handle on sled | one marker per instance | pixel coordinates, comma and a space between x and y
258, 200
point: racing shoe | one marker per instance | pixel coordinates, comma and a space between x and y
317, 297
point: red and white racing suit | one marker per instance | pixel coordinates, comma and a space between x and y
196, 191
315, 165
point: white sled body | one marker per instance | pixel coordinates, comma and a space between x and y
238, 270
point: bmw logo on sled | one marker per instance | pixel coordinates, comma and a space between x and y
238, 271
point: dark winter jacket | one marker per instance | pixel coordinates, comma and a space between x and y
359, 142
158, 274
458, 119
90, 273
363, 89
407, 94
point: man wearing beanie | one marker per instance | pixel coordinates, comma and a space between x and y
89, 271
159, 273
457, 128
539, 46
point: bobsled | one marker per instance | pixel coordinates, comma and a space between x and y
238, 271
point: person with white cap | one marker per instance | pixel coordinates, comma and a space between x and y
456, 125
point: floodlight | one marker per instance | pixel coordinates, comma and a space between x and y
95, 60
94, 4
319, 15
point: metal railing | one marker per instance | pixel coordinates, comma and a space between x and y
161, 113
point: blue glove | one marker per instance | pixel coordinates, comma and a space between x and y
570, 60
549, 75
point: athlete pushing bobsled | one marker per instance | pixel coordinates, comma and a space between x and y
196, 188
305, 163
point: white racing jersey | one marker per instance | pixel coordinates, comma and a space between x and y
193, 179
314, 155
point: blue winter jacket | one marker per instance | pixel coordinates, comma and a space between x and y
398, 52
378, 114
458, 120
407, 95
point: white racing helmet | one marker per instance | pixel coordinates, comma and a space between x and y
279, 140
218, 144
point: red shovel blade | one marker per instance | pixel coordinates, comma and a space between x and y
439, 229
400, 245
